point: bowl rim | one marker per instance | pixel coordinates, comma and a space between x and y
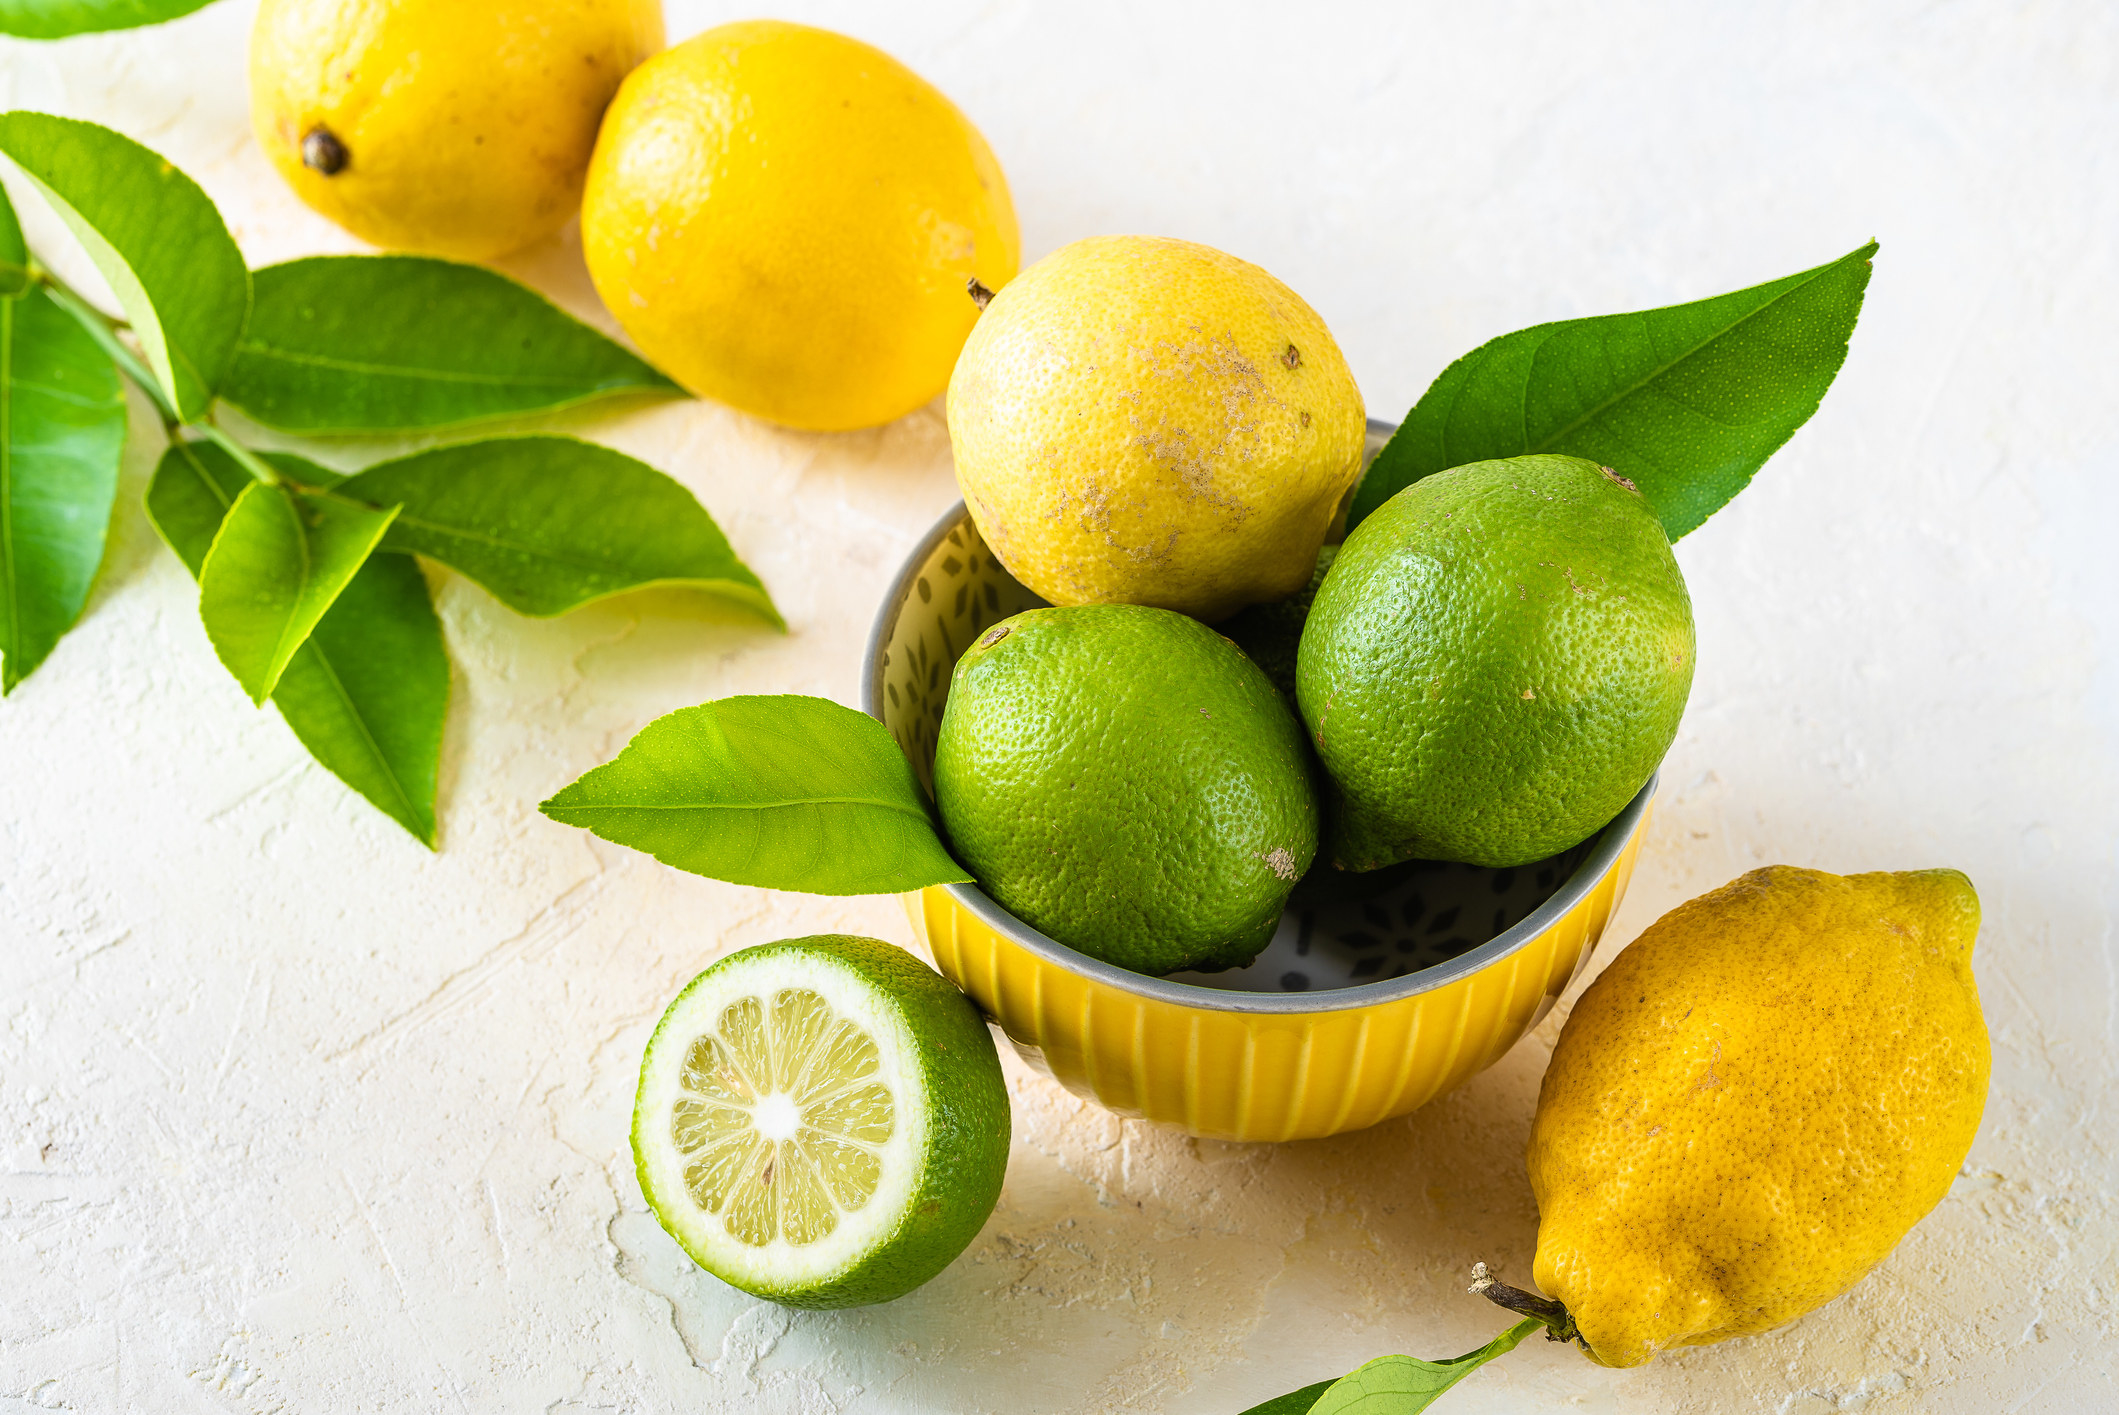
1573, 890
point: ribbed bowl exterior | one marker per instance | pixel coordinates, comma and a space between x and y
1218, 1062
1244, 1075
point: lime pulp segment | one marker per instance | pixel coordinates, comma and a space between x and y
781, 1118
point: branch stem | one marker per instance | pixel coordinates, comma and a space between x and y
104, 330
248, 460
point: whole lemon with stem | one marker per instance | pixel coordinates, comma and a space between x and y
1139, 420
788, 220
1752, 1105
458, 128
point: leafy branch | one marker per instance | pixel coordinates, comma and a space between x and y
1406, 1385
308, 590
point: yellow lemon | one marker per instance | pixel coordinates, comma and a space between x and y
1754, 1103
786, 220
457, 128
1139, 420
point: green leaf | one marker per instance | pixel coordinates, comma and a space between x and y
278, 561
156, 238
1686, 401
14, 251
62, 426
1295, 1402
194, 485
550, 523
395, 342
189, 497
368, 692
787, 792
1394, 1385
55, 19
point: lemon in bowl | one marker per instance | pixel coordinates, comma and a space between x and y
1140, 420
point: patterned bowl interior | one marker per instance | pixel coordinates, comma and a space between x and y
1339, 930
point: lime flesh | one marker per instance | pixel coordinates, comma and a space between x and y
821, 1122
781, 1120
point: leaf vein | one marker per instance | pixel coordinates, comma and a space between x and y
588, 806
1553, 439
411, 372
338, 688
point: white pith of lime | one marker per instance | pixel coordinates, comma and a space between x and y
829, 1124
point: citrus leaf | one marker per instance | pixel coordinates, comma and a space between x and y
55, 19
786, 792
551, 523
14, 251
278, 561
62, 426
368, 692
194, 485
1394, 1385
156, 238
1295, 1402
396, 342
1687, 401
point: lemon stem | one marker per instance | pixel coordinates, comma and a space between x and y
322, 151
980, 295
1560, 1326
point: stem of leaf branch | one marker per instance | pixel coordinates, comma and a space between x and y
104, 330
248, 460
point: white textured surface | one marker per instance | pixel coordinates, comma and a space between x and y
296, 1116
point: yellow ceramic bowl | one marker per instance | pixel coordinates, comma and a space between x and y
1367, 1004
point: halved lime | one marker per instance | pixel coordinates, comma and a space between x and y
822, 1121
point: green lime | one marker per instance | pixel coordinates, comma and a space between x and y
1125, 781
821, 1122
1495, 664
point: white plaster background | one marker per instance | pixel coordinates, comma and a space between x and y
296, 1116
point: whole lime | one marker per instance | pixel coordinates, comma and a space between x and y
1125, 781
1495, 664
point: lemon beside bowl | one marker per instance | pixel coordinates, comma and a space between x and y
1377, 994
